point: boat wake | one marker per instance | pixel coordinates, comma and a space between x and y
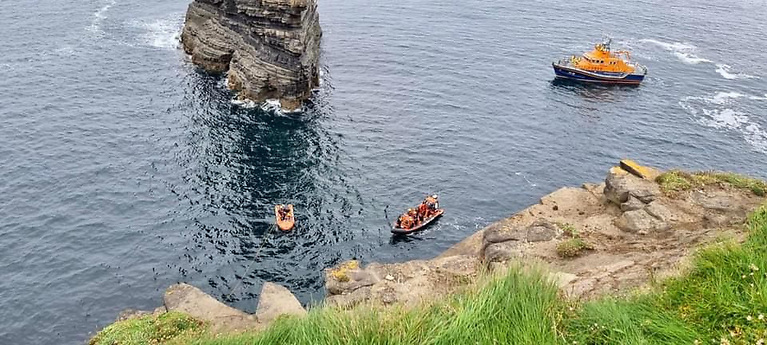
99, 16
724, 111
686, 53
724, 71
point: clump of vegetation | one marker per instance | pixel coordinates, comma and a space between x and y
150, 329
568, 229
341, 273
676, 181
572, 247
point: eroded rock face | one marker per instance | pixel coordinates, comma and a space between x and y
269, 48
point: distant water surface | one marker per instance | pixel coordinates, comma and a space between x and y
125, 169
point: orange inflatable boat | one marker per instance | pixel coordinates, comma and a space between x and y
288, 220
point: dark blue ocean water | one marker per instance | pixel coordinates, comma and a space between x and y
124, 169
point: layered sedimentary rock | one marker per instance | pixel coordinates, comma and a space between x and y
269, 48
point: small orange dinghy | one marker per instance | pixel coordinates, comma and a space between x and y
286, 220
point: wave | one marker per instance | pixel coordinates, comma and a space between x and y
685, 52
724, 71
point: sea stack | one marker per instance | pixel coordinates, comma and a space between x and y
268, 48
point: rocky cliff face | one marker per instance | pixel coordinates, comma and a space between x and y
269, 48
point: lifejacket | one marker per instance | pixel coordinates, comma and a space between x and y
407, 222
423, 209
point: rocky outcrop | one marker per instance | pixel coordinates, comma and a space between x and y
630, 229
196, 303
269, 48
274, 301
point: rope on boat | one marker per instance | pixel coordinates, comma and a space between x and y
255, 258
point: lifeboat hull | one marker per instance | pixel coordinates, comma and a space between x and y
572, 73
400, 231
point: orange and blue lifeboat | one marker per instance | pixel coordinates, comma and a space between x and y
601, 65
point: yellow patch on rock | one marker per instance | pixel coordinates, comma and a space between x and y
634, 168
341, 273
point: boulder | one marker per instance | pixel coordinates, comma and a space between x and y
542, 230
639, 221
501, 232
499, 252
196, 303
620, 185
276, 300
348, 277
661, 212
632, 204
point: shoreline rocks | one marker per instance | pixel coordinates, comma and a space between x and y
274, 301
632, 232
268, 48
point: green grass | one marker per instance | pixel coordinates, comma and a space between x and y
721, 299
149, 329
676, 181
518, 308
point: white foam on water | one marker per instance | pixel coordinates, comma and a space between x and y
65, 51
757, 98
685, 52
273, 105
723, 110
518, 173
246, 103
690, 58
270, 105
100, 15
725, 119
161, 33
723, 97
724, 71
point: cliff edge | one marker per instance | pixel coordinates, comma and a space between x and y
269, 48
608, 238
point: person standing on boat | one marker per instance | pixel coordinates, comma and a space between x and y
432, 204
